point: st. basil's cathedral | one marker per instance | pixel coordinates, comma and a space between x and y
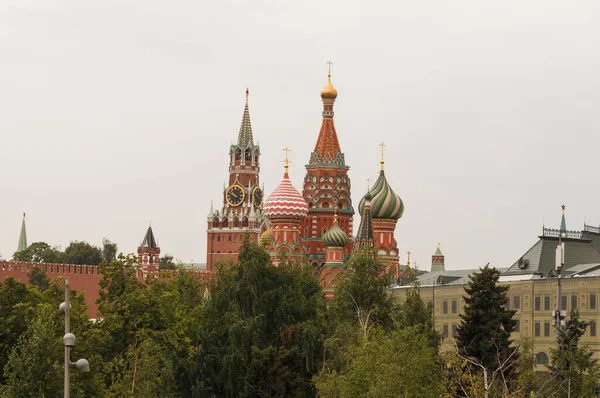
317, 224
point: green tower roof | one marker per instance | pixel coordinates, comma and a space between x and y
22, 237
563, 223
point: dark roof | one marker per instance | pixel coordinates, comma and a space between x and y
149, 239
541, 257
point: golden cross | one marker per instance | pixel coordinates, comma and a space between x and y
287, 162
382, 145
335, 213
368, 184
408, 261
329, 63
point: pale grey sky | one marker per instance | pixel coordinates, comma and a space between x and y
115, 113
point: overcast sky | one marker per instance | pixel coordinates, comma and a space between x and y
117, 113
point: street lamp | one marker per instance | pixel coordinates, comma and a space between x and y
81, 365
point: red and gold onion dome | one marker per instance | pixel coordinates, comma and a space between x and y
266, 237
285, 202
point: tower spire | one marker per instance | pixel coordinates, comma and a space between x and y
245, 138
563, 223
22, 237
327, 148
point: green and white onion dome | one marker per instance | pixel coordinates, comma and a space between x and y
335, 237
385, 203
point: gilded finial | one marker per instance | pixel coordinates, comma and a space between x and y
329, 92
23, 215
150, 224
408, 261
247, 93
368, 184
287, 161
439, 244
335, 209
382, 145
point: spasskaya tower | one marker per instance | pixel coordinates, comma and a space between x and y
241, 211
326, 186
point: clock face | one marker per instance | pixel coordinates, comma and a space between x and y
257, 197
235, 195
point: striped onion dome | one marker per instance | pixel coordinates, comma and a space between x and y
285, 202
335, 237
266, 237
385, 203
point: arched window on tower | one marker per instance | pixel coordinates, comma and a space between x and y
245, 222
225, 222
541, 358
218, 238
236, 222
230, 238
238, 155
248, 155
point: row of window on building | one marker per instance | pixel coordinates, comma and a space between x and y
516, 302
537, 327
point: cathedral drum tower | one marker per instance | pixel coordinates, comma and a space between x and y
326, 187
386, 209
241, 211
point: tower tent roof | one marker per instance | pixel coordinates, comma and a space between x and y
327, 149
22, 237
245, 138
149, 239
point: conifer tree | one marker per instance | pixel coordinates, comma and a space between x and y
486, 325
572, 366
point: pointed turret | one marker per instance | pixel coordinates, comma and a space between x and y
149, 239
245, 139
437, 260
22, 237
563, 223
365, 237
149, 252
327, 148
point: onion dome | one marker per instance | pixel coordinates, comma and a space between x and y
285, 202
329, 92
335, 237
266, 237
385, 202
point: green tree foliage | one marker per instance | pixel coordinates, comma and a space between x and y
575, 372
39, 252
82, 253
260, 331
13, 319
167, 262
401, 364
34, 365
37, 277
418, 314
109, 251
486, 325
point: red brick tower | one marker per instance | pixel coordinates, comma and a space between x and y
326, 186
285, 208
241, 211
149, 253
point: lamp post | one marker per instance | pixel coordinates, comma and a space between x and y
69, 342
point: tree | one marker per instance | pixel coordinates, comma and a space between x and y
39, 252
418, 314
166, 263
260, 331
483, 336
109, 251
13, 317
34, 366
401, 364
575, 371
37, 277
82, 253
